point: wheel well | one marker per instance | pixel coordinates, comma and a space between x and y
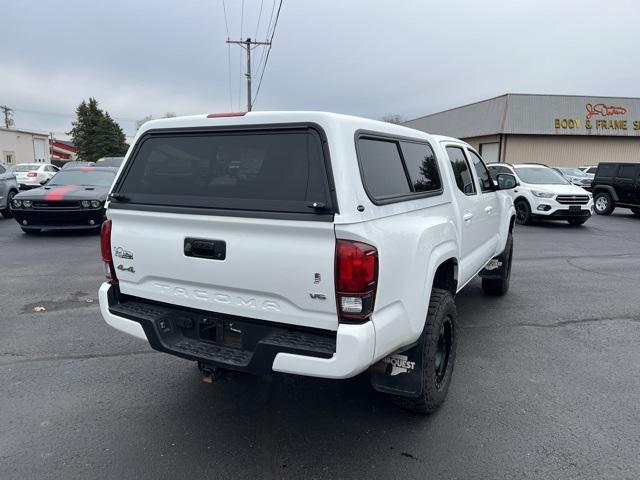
446, 276
521, 198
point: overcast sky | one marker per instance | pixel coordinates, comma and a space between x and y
365, 57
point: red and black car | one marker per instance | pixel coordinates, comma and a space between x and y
72, 199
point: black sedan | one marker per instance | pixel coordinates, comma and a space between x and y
72, 199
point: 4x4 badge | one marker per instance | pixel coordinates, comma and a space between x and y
122, 253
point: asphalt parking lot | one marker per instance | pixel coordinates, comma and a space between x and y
546, 383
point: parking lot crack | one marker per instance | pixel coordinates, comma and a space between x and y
563, 323
58, 358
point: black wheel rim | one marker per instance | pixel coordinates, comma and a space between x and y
443, 351
10, 198
521, 212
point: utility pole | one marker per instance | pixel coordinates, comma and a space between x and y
8, 112
247, 45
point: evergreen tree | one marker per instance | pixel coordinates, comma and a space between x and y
95, 134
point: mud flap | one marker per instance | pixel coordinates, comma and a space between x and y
401, 372
496, 266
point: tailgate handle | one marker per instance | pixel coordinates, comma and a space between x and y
204, 248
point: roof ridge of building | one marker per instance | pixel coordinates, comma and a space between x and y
456, 108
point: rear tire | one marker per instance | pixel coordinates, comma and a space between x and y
603, 204
499, 286
6, 213
577, 221
439, 337
523, 212
636, 211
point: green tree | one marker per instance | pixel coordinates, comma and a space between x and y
95, 134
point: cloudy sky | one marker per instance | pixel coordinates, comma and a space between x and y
363, 57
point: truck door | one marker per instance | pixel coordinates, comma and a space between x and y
474, 235
490, 212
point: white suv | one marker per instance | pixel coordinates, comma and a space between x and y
306, 243
544, 194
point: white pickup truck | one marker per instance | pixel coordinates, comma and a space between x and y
306, 243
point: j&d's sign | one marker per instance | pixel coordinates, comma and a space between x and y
600, 117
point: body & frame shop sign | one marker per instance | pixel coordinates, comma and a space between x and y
601, 118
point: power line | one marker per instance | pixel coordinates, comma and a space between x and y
273, 9
259, 17
240, 57
273, 32
226, 24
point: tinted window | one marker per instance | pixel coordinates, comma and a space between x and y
2, 169
486, 184
627, 171
267, 171
461, 171
382, 169
83, 177
422, 166
496, 169
607, 170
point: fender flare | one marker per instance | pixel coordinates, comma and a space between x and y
440, 254
606, 188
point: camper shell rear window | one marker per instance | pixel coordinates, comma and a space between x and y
280, 170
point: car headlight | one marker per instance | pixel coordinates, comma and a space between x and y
96, 204
17, 203
542, 194
27, 203
85, 203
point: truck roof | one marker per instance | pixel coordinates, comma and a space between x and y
324, 119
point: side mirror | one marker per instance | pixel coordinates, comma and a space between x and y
506, 181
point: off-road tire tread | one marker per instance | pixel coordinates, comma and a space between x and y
441, 303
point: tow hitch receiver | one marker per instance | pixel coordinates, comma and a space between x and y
401, 372
211, 374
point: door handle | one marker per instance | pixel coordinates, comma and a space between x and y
467, 217
489, 210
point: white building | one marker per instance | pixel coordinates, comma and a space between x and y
23, 146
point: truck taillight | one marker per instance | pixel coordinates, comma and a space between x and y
105, 246
356, 280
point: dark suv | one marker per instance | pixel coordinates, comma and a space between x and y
617, 185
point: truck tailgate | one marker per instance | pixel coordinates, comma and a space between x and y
273, 270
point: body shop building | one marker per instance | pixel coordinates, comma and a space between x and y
558, 130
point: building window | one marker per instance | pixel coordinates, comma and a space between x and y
490, 152
8, 157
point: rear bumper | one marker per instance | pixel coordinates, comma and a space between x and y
262, 347
58, 219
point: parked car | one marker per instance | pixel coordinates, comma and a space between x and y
73, 199
76, 164
617, 185
590, 169
33, 175
298, 261
544, 194
109, 162
576, 176
8, 189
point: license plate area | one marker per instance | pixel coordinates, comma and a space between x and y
575, 208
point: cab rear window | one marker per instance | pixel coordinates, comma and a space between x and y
273, 170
